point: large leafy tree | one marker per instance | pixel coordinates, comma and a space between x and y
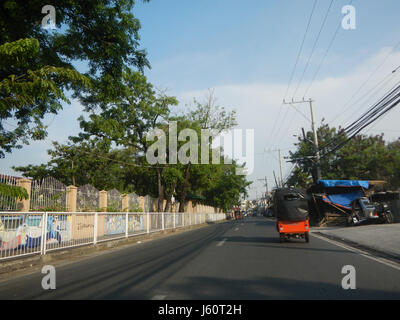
90, 162
37, 65
127, 119
363, 157
209, 116
226, 187
29, 91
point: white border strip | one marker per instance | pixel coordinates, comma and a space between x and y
365, 254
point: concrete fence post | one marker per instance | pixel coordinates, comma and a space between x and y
24, 205
125, 203
103, 201
141, 204
72, 193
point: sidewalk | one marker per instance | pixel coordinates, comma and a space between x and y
384, 238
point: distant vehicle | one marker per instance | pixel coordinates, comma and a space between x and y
238, 214
363, 211
291, 212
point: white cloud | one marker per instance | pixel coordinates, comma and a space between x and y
258, 104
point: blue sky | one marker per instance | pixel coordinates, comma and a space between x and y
218, 42
245, 51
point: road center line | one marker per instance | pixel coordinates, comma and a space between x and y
221, 243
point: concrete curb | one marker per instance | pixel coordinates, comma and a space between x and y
372, 251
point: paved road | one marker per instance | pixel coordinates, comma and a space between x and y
234, 260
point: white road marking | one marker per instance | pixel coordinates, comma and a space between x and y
237, 229
360, 252
158, 297
221, 243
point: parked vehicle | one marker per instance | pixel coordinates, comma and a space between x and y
350, 202
291, 212
363, 211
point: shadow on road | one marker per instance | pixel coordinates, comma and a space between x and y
273, 242
265, 288
120, 277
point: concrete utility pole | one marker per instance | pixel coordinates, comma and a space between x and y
280, 164
266, 184
314, 128
276, 182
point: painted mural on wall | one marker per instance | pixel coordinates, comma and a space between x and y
114, 224
135, 223
25, 231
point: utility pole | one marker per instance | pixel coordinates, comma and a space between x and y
280, 165
317, 175
276, 182
266, 184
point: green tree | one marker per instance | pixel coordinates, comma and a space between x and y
127, 119
28, 92
363, 157
209, 116
37, 65
13, 191
88, 162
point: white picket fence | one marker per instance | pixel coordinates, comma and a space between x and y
25, 233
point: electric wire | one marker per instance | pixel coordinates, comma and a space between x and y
313, 48
325, 55
381, 108
368, 79
301, 48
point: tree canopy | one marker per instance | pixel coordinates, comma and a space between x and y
37, 66
38, 73
362, 158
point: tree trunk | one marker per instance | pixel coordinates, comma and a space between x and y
169, 198
184, 189
160, 203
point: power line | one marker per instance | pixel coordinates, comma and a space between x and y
275, 123
325, 55
382, 107
345, 131
301, 48
299, 112
273, 134
372, 92
314, 47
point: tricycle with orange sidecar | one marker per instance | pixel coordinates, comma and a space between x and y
291, 212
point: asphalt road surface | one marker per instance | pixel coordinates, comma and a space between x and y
234, 261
